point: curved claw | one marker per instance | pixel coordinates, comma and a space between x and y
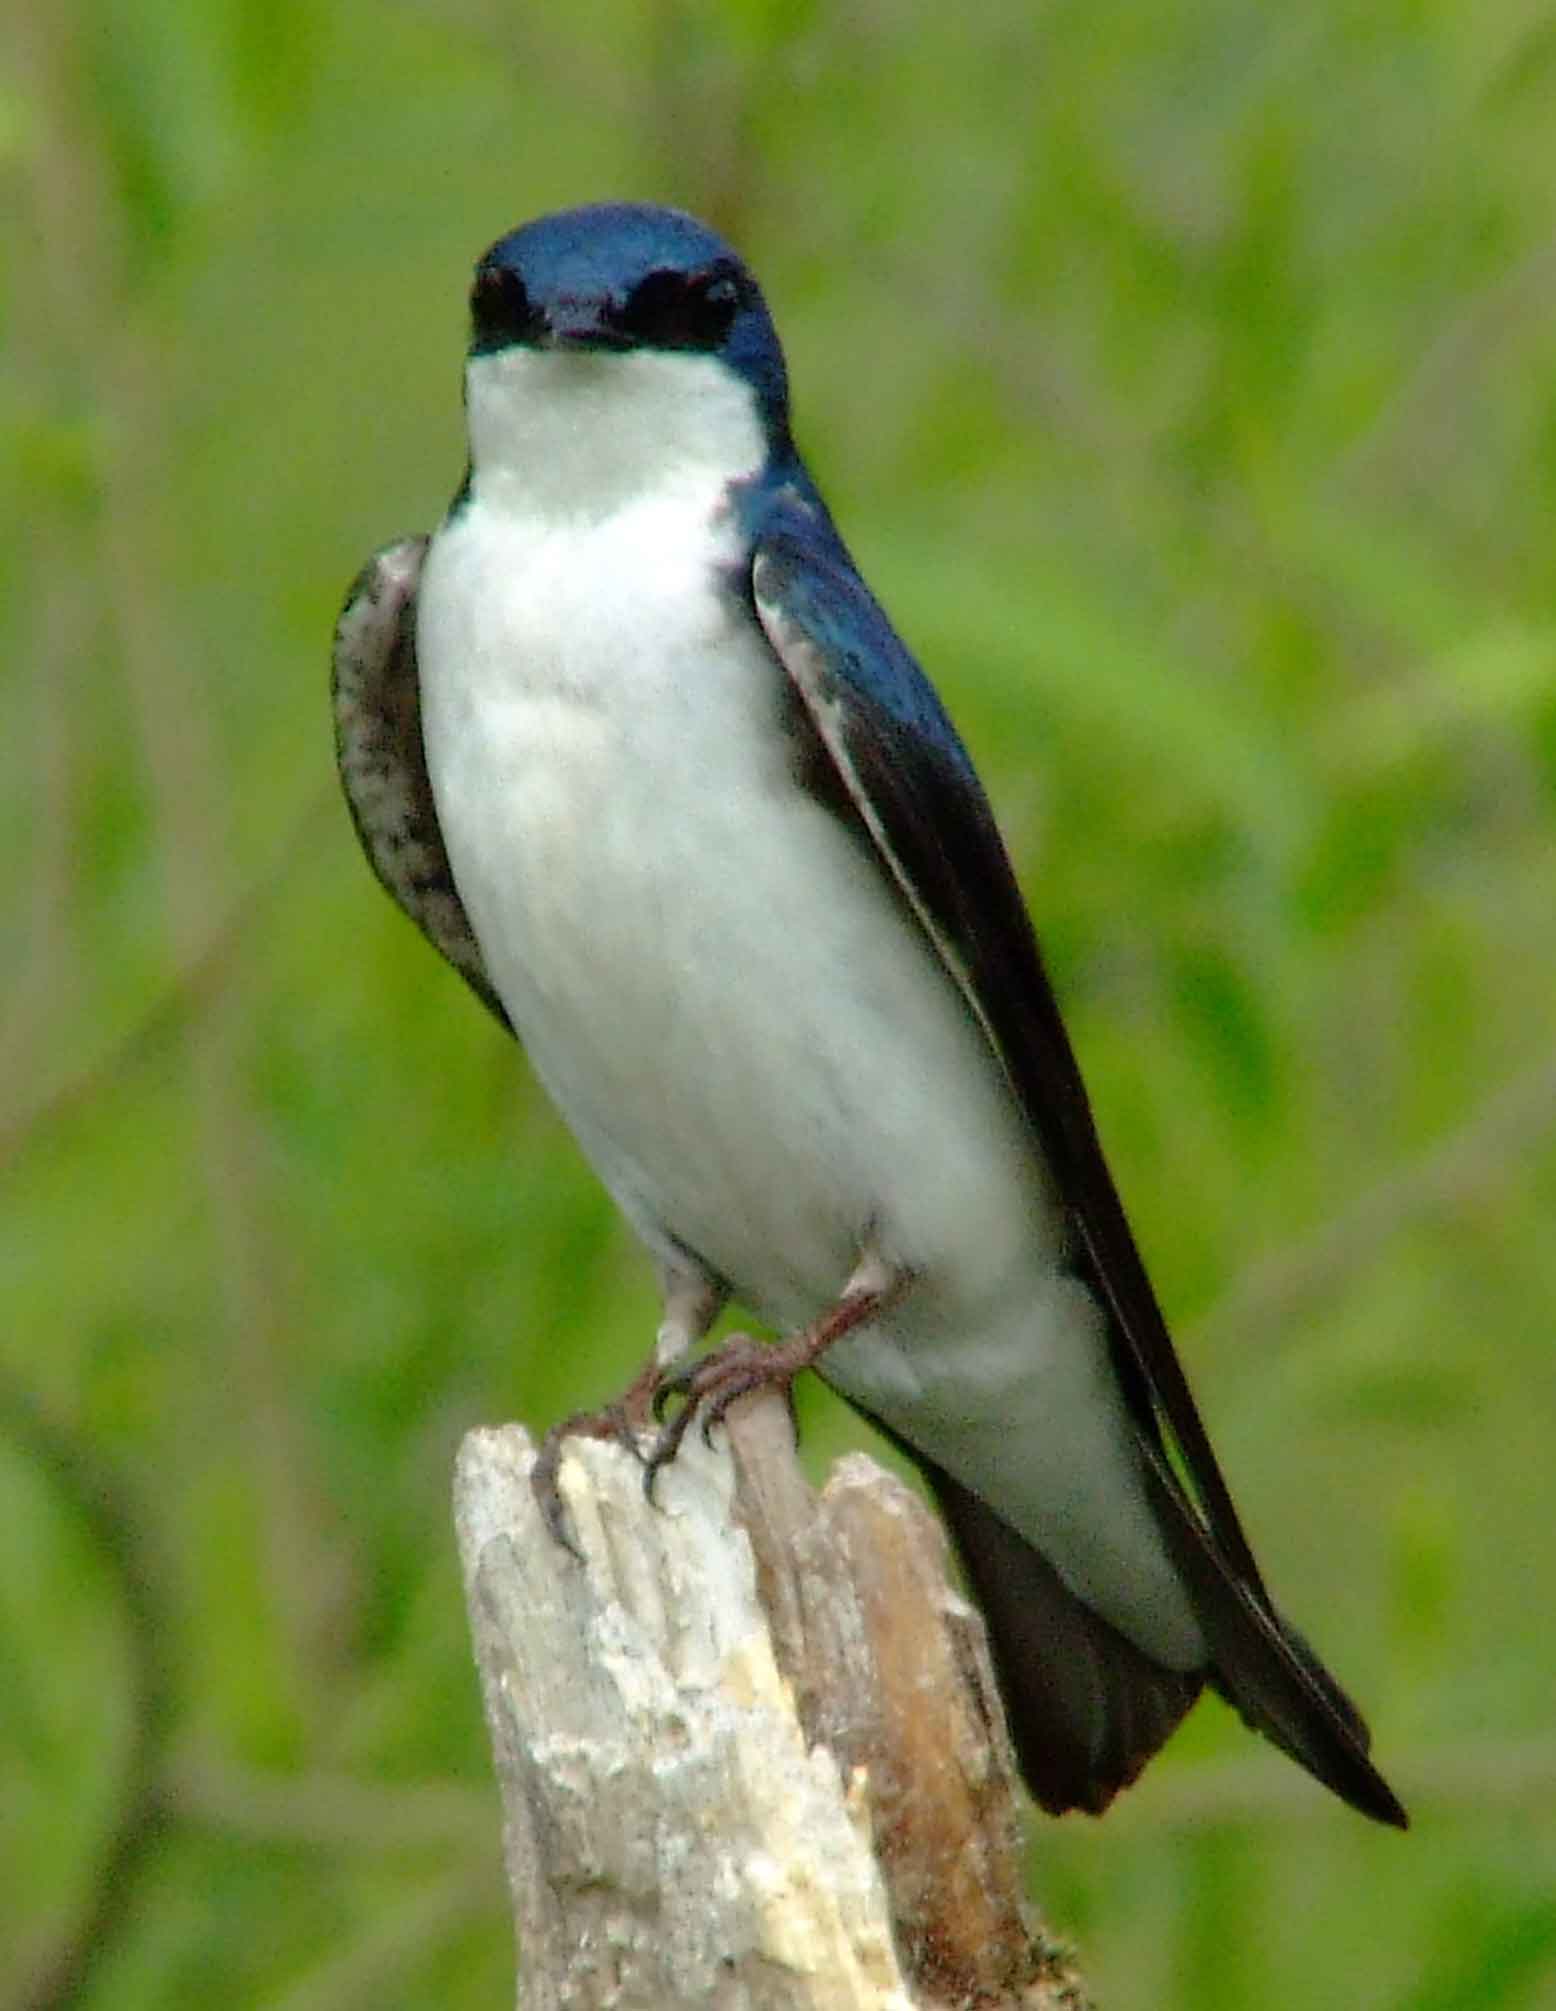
544, 1484
614, 1422
677, 1385
666, 1446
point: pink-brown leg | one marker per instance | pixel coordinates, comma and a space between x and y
710, 1385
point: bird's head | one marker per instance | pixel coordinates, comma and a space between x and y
612, 344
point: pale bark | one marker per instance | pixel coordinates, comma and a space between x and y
749, 1746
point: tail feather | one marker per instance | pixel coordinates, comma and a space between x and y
1086, 1708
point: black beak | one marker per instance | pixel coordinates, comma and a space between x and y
585, 324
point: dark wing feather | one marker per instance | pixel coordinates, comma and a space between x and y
376, 695
914, 789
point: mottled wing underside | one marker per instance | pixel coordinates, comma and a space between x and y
376, 694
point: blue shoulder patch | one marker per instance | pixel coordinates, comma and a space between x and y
808, 572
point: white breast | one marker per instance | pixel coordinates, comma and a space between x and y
755, 1047
709, 974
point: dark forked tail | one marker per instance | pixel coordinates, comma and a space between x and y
1087, 1708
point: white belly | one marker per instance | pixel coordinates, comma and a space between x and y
757, 1050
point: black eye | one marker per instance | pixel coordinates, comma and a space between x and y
682, 310
500, 311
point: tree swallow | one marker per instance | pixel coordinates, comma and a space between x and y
634, 744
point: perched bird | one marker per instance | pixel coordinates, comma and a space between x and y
632, 741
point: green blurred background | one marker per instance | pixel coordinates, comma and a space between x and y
1182, 376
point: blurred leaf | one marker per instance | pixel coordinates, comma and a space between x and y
1223, 1016
1490, 679
272, 57
57, 459
1053, 651
1406, 1395
1496, 1957
1426, 1553
1528, 70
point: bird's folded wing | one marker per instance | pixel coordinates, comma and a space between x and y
911, 786
376, 693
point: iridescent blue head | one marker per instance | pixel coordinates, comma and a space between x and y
626, 277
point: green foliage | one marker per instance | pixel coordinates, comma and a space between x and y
1181, 377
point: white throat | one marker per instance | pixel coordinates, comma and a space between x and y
574, 436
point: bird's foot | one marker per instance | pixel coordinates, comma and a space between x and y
709, 1385
625, 1421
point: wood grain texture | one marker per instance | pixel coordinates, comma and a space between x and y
749, 1744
